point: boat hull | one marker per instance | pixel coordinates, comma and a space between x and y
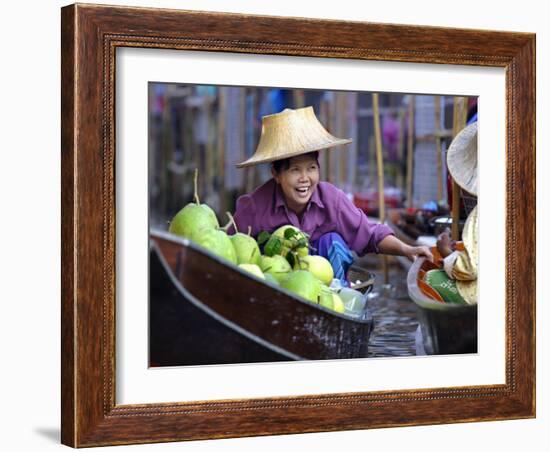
446, 328
204, 311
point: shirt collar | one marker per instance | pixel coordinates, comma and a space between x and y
280, 198
316, 198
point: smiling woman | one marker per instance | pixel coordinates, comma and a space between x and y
291, 141
298, 178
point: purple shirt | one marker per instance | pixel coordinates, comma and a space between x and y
328, 210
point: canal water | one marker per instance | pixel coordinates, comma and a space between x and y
394, 313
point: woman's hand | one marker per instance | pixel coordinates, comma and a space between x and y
412, 252
392, 245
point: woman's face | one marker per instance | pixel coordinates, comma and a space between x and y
298, 181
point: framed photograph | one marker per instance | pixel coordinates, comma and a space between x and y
168, 336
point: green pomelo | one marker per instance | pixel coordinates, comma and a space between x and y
338, 304
279, 277
331, 300
248, 251
277, 266
254, 269
304, 284
318, 266
210, 214
218, 242
326, 300
269, 277
192, 219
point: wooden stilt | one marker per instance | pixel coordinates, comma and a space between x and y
399, 181
437, 136
221, 146
341, 99
380, 170
326, 156
410, 152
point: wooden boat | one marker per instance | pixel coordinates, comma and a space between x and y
205, 311
414, 232
399, 222
446, 328
411, 228
402, 224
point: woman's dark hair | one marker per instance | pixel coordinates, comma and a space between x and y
284, 164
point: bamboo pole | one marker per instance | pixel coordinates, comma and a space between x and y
331, 156
371, 158
400, 144
298, 98
380, 170
327, 163
343, 153
251, 174
410, 151
242, 134
221, 146
437, 110
351, 113
459, 121
210, 151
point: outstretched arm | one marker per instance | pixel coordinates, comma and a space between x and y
392, 245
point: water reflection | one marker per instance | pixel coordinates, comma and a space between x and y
395, 316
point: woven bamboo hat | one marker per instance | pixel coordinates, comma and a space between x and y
291, 133
462, 158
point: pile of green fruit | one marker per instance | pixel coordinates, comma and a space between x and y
286, 261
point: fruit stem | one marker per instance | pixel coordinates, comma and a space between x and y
249, 230
225, 227
195, 180
232, 221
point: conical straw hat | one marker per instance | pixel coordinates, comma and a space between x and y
462, 158
291, 133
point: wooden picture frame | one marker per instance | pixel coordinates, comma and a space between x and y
90, 36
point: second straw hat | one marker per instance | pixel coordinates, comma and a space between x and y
462, 158
291, 133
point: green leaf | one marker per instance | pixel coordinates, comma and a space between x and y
289, 233
263, 237
273, 246
268, 249
277, 245
290, 258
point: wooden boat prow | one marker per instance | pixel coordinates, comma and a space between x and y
267, 316
446, 328
394, 221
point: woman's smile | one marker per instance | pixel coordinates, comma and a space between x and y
303, 192
299, 181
